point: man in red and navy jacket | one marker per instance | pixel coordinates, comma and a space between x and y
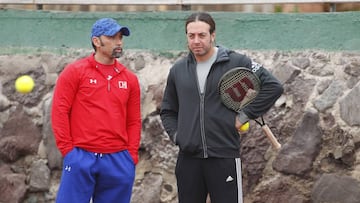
96, 121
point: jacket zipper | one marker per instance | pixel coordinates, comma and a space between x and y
107, 78
202, 125
202, 112
108, 84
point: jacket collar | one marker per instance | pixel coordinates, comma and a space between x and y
117, 66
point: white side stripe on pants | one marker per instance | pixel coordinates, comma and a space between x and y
239, 179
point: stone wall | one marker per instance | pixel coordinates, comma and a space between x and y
316, 120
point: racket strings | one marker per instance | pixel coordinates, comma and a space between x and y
239, 88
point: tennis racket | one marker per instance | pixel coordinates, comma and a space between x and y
238, 87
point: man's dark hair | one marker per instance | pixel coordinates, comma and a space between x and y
201, 16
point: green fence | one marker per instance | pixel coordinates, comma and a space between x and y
162, 31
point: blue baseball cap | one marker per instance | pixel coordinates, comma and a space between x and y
108, 27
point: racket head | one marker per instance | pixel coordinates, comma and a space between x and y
238, 87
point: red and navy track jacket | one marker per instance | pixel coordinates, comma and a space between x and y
94, 113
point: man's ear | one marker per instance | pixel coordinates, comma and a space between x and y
213, 37
96, 41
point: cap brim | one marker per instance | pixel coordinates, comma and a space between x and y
125, 31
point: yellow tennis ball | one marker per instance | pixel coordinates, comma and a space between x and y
24, 84
245, 127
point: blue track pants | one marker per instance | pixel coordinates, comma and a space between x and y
106, 178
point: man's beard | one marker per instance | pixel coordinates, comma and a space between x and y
116, 53
205, 49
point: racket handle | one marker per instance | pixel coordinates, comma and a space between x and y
271, 136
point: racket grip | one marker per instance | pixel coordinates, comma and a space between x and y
271, 136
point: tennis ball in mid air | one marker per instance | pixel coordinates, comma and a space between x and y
24, 84
245, 127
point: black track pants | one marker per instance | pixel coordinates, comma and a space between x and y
219, 177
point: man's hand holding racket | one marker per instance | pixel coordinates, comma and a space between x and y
238, 88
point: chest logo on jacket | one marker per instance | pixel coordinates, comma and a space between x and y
122, 84
92, 81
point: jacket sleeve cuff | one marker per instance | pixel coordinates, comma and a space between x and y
243, 118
